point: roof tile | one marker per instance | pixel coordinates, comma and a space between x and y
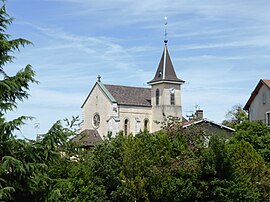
127, 95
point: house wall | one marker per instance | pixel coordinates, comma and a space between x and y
258, 108
211, 129
165, 109
136, 116
98, 102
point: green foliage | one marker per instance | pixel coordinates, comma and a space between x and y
171, 165
24, 164
257, 134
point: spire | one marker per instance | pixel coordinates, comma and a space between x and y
165, 71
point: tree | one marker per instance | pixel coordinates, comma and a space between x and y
257, 134
12, 89
23, 163
235, 116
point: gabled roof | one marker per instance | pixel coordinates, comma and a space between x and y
104, 90
87, 138
255, 92
124, 95
127, 95
195, 122
165, 71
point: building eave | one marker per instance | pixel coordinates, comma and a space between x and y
166, 81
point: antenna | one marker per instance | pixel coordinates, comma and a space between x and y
165, 27
37, 128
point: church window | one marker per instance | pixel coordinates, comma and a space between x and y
146, 124
96, 120
172, 99
126, 127
157, 97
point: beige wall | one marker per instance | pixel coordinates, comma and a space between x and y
136, 117
112, 120
165, 107
97, 102
258, 108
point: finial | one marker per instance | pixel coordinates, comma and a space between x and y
165, 26
98, 78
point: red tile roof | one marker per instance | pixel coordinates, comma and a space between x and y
267, 82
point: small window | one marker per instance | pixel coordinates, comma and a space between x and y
264, 98
172, 99
146, 124
126, 127
157, 97
267, 116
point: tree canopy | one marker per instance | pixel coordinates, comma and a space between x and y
235, 116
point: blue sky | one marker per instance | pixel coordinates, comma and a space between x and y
220, 48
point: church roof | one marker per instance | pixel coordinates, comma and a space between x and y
127, 95
165, 71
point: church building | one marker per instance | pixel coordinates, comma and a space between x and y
114, 108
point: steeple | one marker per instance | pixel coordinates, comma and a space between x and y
165, 90
165, 72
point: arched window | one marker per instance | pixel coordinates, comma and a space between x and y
146, 124
96, 120
172, 98
126, 127
157, 97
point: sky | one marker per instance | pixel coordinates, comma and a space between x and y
220, 48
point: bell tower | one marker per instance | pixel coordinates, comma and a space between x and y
165, 90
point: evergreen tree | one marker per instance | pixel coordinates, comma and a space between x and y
18, 160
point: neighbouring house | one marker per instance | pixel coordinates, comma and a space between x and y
210, 127
258, 104
113, 108
87, 138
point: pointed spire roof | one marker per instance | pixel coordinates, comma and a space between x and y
165, 71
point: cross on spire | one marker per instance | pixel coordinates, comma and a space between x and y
165, 27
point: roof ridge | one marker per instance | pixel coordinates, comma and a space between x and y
126, 86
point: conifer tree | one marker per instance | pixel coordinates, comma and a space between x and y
14, 165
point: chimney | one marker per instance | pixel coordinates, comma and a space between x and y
199, 114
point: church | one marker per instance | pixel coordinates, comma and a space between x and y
113, 108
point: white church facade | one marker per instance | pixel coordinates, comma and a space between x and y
113, 108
